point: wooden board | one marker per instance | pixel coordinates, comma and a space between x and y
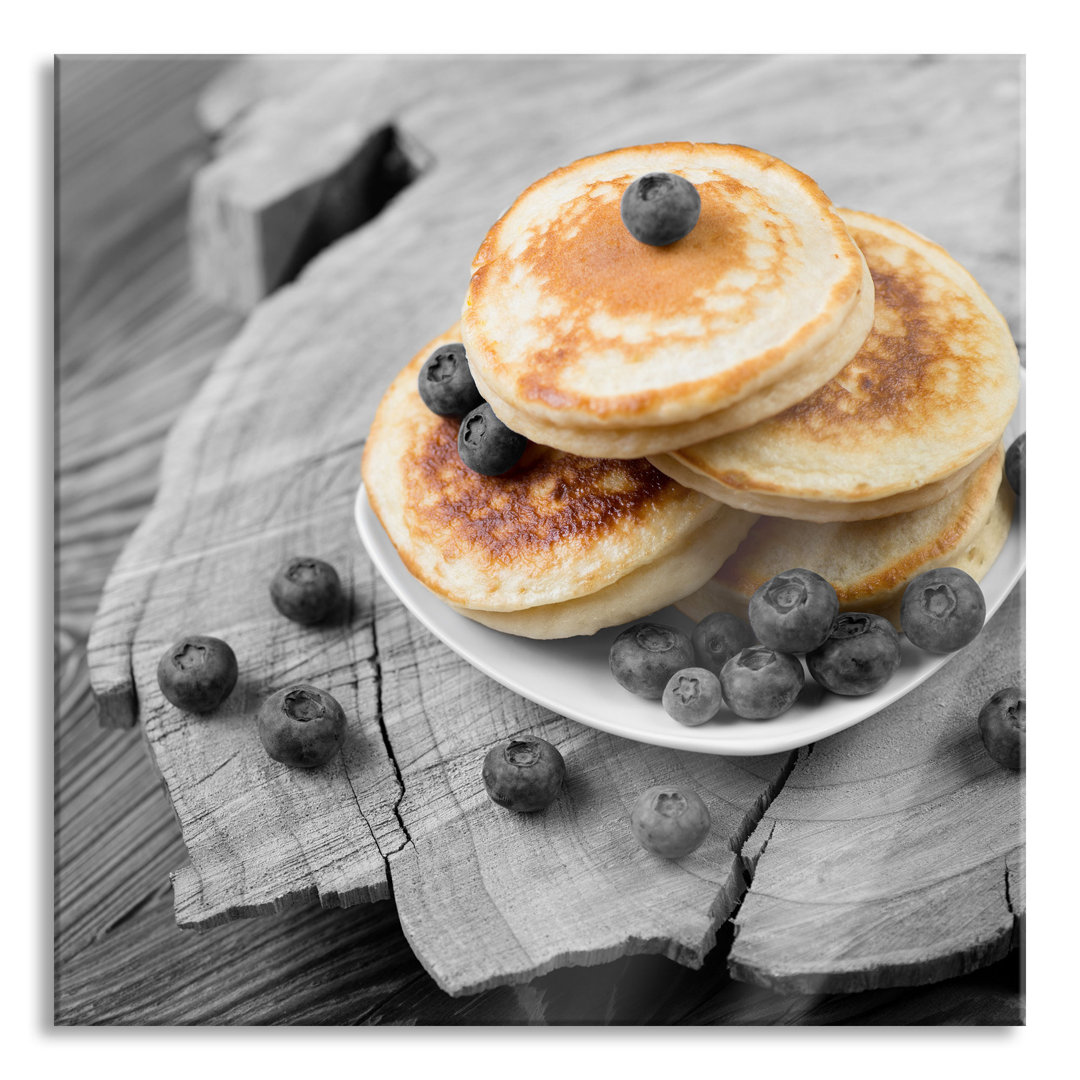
133, 347
264, 462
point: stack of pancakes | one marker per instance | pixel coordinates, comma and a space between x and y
560, 545
827, 377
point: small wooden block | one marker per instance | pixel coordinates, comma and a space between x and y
294, 173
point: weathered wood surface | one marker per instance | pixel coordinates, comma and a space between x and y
142, 969
488, 897
133, 344
895, 852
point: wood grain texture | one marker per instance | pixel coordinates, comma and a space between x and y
133, 344
261, 836
895, 853
488, 897
126, 912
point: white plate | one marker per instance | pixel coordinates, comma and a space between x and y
571, 677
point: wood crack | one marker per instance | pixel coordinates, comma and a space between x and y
218, 768
1016, 934
750, 862
381, 717
133, 697
360, 808
755, 815
760, 808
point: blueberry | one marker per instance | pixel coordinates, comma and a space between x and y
301, 726
306, 590
717, 638
660, 208
793, 611
760, 683
1014, 463
446, 383
487, 445
670, 821
645, 656
692, 696
859, 655
524, 774
942, 610
1002, 725
197, 673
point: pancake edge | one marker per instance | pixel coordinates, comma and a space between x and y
820, 510
739, 487
635, 595
974, 552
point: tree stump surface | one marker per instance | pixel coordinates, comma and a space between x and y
895, 852
870, 829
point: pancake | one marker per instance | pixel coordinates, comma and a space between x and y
822, 510
927, 396
557, 530
869, 563
573, 323
622, 442
641, 592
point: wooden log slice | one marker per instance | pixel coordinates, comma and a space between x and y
569, 885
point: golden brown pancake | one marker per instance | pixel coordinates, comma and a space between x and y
572, 322
556, 530
622, 442
927, 396
869, 563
